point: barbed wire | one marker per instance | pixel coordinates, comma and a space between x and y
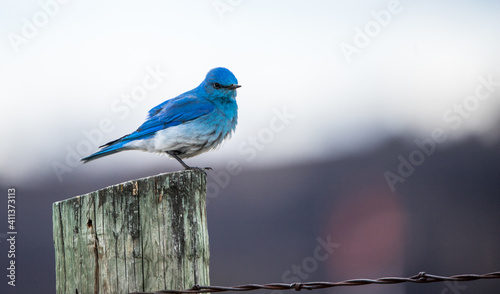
421, 277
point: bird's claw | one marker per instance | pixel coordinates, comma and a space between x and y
199, 168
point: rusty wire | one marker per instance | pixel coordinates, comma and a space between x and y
422, 277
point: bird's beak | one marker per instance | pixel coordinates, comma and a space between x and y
233, 86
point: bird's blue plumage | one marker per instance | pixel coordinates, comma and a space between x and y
187, 125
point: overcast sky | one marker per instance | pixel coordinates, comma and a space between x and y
318, 77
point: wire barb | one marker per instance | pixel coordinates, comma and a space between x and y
421, 277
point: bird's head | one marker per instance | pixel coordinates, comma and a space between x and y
221, 82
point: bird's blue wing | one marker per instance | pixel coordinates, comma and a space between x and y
171, 113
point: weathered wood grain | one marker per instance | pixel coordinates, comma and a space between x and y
143, 235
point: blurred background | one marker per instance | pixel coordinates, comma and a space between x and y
367, 129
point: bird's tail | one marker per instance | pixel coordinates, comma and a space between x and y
109, 148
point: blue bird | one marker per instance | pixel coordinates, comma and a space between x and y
187, 125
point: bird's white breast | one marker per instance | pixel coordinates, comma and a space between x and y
188, 139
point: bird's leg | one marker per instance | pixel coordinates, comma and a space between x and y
179, 159
174, 155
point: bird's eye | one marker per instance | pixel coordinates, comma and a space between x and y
216, 85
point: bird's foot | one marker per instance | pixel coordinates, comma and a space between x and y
199, 168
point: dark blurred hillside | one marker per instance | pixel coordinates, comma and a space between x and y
331, 220
444, 219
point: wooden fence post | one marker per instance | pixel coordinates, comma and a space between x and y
143, 235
